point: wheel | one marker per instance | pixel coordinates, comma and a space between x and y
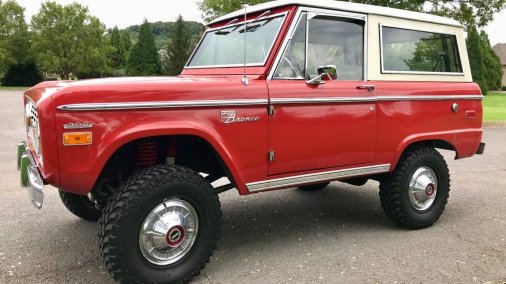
314, 187
80, 205
161, 226
414, 196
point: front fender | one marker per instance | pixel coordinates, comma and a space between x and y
80, 166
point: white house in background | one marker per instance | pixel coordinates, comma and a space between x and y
500, 50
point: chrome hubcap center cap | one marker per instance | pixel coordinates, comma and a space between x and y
168, 232
423, 188
429, 191
175, 236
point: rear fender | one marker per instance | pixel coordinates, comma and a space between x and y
463, 142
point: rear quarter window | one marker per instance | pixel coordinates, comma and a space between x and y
412, 51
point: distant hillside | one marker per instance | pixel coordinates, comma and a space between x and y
163, 31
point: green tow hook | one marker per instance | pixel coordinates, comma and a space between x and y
21, 152
23, 162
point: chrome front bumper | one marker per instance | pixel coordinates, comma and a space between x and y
30, 176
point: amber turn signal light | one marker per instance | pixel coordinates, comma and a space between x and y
77, 138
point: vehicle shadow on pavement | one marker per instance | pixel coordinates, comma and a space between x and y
337, 205
280, 222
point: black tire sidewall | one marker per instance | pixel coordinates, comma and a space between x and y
432, 213
135, 216
80, 205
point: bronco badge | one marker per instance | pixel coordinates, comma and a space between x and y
229, 116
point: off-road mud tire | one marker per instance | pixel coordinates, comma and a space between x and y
80, 205
394, 189
126, 210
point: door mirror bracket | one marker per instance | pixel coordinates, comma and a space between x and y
327, 73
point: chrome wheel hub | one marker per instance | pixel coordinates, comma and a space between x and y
168, 232
423, 188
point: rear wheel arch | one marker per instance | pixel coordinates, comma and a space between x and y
431, 143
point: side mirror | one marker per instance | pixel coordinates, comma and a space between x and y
330, 71
327, 73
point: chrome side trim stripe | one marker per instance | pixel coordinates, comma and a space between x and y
286, 101
168, 104
430, 98
316, 177
252, 102
281, 101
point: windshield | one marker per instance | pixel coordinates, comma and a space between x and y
225, 46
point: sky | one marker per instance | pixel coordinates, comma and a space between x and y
497, 29
124, 13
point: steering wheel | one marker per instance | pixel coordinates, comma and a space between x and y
294, 71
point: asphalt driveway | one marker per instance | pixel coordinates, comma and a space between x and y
338, 235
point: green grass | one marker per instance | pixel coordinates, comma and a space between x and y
494, 107
13, 88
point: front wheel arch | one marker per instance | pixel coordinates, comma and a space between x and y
190, 151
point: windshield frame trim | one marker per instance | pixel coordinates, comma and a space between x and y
256, 64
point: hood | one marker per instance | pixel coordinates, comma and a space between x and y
143, 89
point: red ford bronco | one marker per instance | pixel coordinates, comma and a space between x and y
292, 93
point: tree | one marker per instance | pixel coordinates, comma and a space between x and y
476, 58
163, 31
144, 59
118, 58
468, 12
126, 42
68, 40
14, 36
121, 42
178, 48
213, 9
492, 62
485, 64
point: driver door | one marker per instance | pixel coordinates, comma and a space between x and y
328, 125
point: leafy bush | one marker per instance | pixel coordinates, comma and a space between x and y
503, 88
92, 74
24, 74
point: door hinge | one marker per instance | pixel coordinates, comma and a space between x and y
271, 110
271, 156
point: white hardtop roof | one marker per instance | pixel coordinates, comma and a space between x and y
347, 7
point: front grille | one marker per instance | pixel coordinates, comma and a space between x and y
34, 114
32, 127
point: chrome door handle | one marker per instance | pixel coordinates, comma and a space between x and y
369, 88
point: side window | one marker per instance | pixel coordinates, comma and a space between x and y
293, 61
339, 42
417, 51
330, 41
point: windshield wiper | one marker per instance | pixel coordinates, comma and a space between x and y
253, 28
256, 27
221, 30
